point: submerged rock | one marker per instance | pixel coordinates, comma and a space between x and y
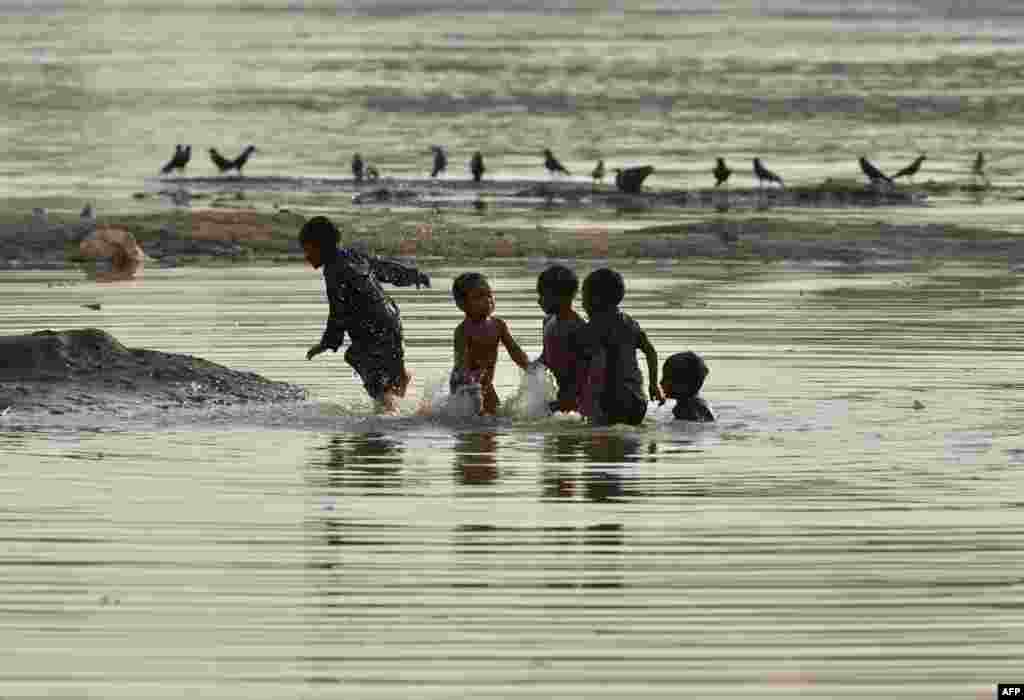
88, 368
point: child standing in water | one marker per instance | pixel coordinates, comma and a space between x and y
477, 337
359, 306
608, 345
556, 288
681, 379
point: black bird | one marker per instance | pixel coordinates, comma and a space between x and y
440, 161
721, 171
598, 173
762, 173
632, 179
873, 173
911, 169
223, 164
978, 169
552, 164
357, 168
476, 166
182, 154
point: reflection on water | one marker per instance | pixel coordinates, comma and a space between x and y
823, 532
476, 457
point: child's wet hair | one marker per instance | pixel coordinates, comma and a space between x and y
560, 281
685, 372
605, 288
465, 283
322, 231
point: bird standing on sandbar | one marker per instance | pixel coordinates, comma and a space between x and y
721, 171
440, 161
552, 164
224, 165
631, 180
911, 169
181, 157
978, 168
762, 173
357, 168
476, 166
598, 173
874, 174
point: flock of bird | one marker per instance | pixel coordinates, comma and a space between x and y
183, 154
628, 180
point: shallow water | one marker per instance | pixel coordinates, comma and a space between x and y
824, 537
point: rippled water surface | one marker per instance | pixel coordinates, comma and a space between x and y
824, 538
850, 527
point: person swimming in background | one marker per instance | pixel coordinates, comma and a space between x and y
477, 337
359, 306
682, 376
556, 288
607, 345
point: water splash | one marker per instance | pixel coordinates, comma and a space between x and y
536, 392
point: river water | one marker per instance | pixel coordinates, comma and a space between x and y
850, 527
824, 537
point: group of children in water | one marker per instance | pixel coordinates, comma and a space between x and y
594, 362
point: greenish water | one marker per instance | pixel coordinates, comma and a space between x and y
824, 537
98, 96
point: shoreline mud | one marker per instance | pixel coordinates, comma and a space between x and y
59, 372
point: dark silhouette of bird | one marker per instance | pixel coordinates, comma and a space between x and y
181, 157
598, 173
357, 168
631, 180
873, 173
372, 174
762, 173
552, 164
224, 165
721, 171
440, 161
911, 169
978, 168
476, 166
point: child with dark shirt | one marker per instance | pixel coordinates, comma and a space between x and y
359, 306
477, 337
681, 379
556, 288
607, 345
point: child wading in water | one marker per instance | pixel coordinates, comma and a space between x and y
681, 379
360, 307
556, 288
477, 337
607, 344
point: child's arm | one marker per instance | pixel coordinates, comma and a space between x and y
398, 274
654, 391
514, 351
334, 334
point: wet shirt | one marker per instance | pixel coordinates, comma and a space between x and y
559, 355
358, 303
610, 341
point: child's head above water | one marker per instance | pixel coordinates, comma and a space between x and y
603, 290
473, 295
556, 288
683, 375
318, 238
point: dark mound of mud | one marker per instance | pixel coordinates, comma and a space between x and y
64, 370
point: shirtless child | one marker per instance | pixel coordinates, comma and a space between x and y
477, 338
